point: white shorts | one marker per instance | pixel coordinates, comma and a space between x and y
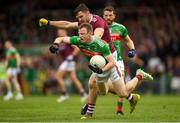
112, 74
68, 66
13, 71
120, 65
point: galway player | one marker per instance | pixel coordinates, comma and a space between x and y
68, 66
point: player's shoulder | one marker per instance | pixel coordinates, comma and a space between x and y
97, 18
74, 39
74, 36
12, 49
99, 41
118, 25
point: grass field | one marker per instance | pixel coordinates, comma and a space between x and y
46, 109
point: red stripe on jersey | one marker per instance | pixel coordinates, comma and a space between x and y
119, 73
89, 53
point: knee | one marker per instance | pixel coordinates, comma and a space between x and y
58, 76
92, 85
73, 78
123, 93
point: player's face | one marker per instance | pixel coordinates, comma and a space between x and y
84, 35
7, 44
109, 16
82, 16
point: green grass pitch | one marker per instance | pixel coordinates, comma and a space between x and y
46, 109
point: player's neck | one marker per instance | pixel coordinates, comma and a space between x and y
111, 23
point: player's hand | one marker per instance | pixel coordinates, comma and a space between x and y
131, 53
54, 48
70, 58
95, 69
43, 21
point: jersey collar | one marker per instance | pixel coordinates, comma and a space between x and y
91, 17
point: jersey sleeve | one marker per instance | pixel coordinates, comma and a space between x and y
124, 32
106, 50
74, 40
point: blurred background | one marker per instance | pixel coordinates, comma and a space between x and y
154, 26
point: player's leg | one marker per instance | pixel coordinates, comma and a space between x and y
62, 71
101, 87
21, 80
19, 95
78, 85
140, 75
130, 85
119, 109
125, 90
89, 107
9, 94
72, 69
59, 75
8, 85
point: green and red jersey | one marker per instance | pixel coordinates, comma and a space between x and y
10, 54
95, 47
117, 33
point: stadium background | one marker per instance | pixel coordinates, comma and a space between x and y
154, 26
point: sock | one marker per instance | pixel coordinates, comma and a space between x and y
83, 93
129, 97
90, 109
64, 93
139, 77
119, 104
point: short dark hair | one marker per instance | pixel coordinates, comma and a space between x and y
109, 8
81, 7
88, 26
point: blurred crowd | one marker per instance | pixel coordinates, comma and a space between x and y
153, 26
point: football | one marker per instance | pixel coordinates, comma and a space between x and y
98, 61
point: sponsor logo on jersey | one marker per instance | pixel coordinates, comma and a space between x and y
115, 37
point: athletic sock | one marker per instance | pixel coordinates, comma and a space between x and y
139, 77
90, 109
83, 94
119, 104
64, 93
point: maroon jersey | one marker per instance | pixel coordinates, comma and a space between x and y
98, 22
65, 50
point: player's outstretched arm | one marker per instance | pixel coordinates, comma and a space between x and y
98, 32
59, 24
55, 46
62, 40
